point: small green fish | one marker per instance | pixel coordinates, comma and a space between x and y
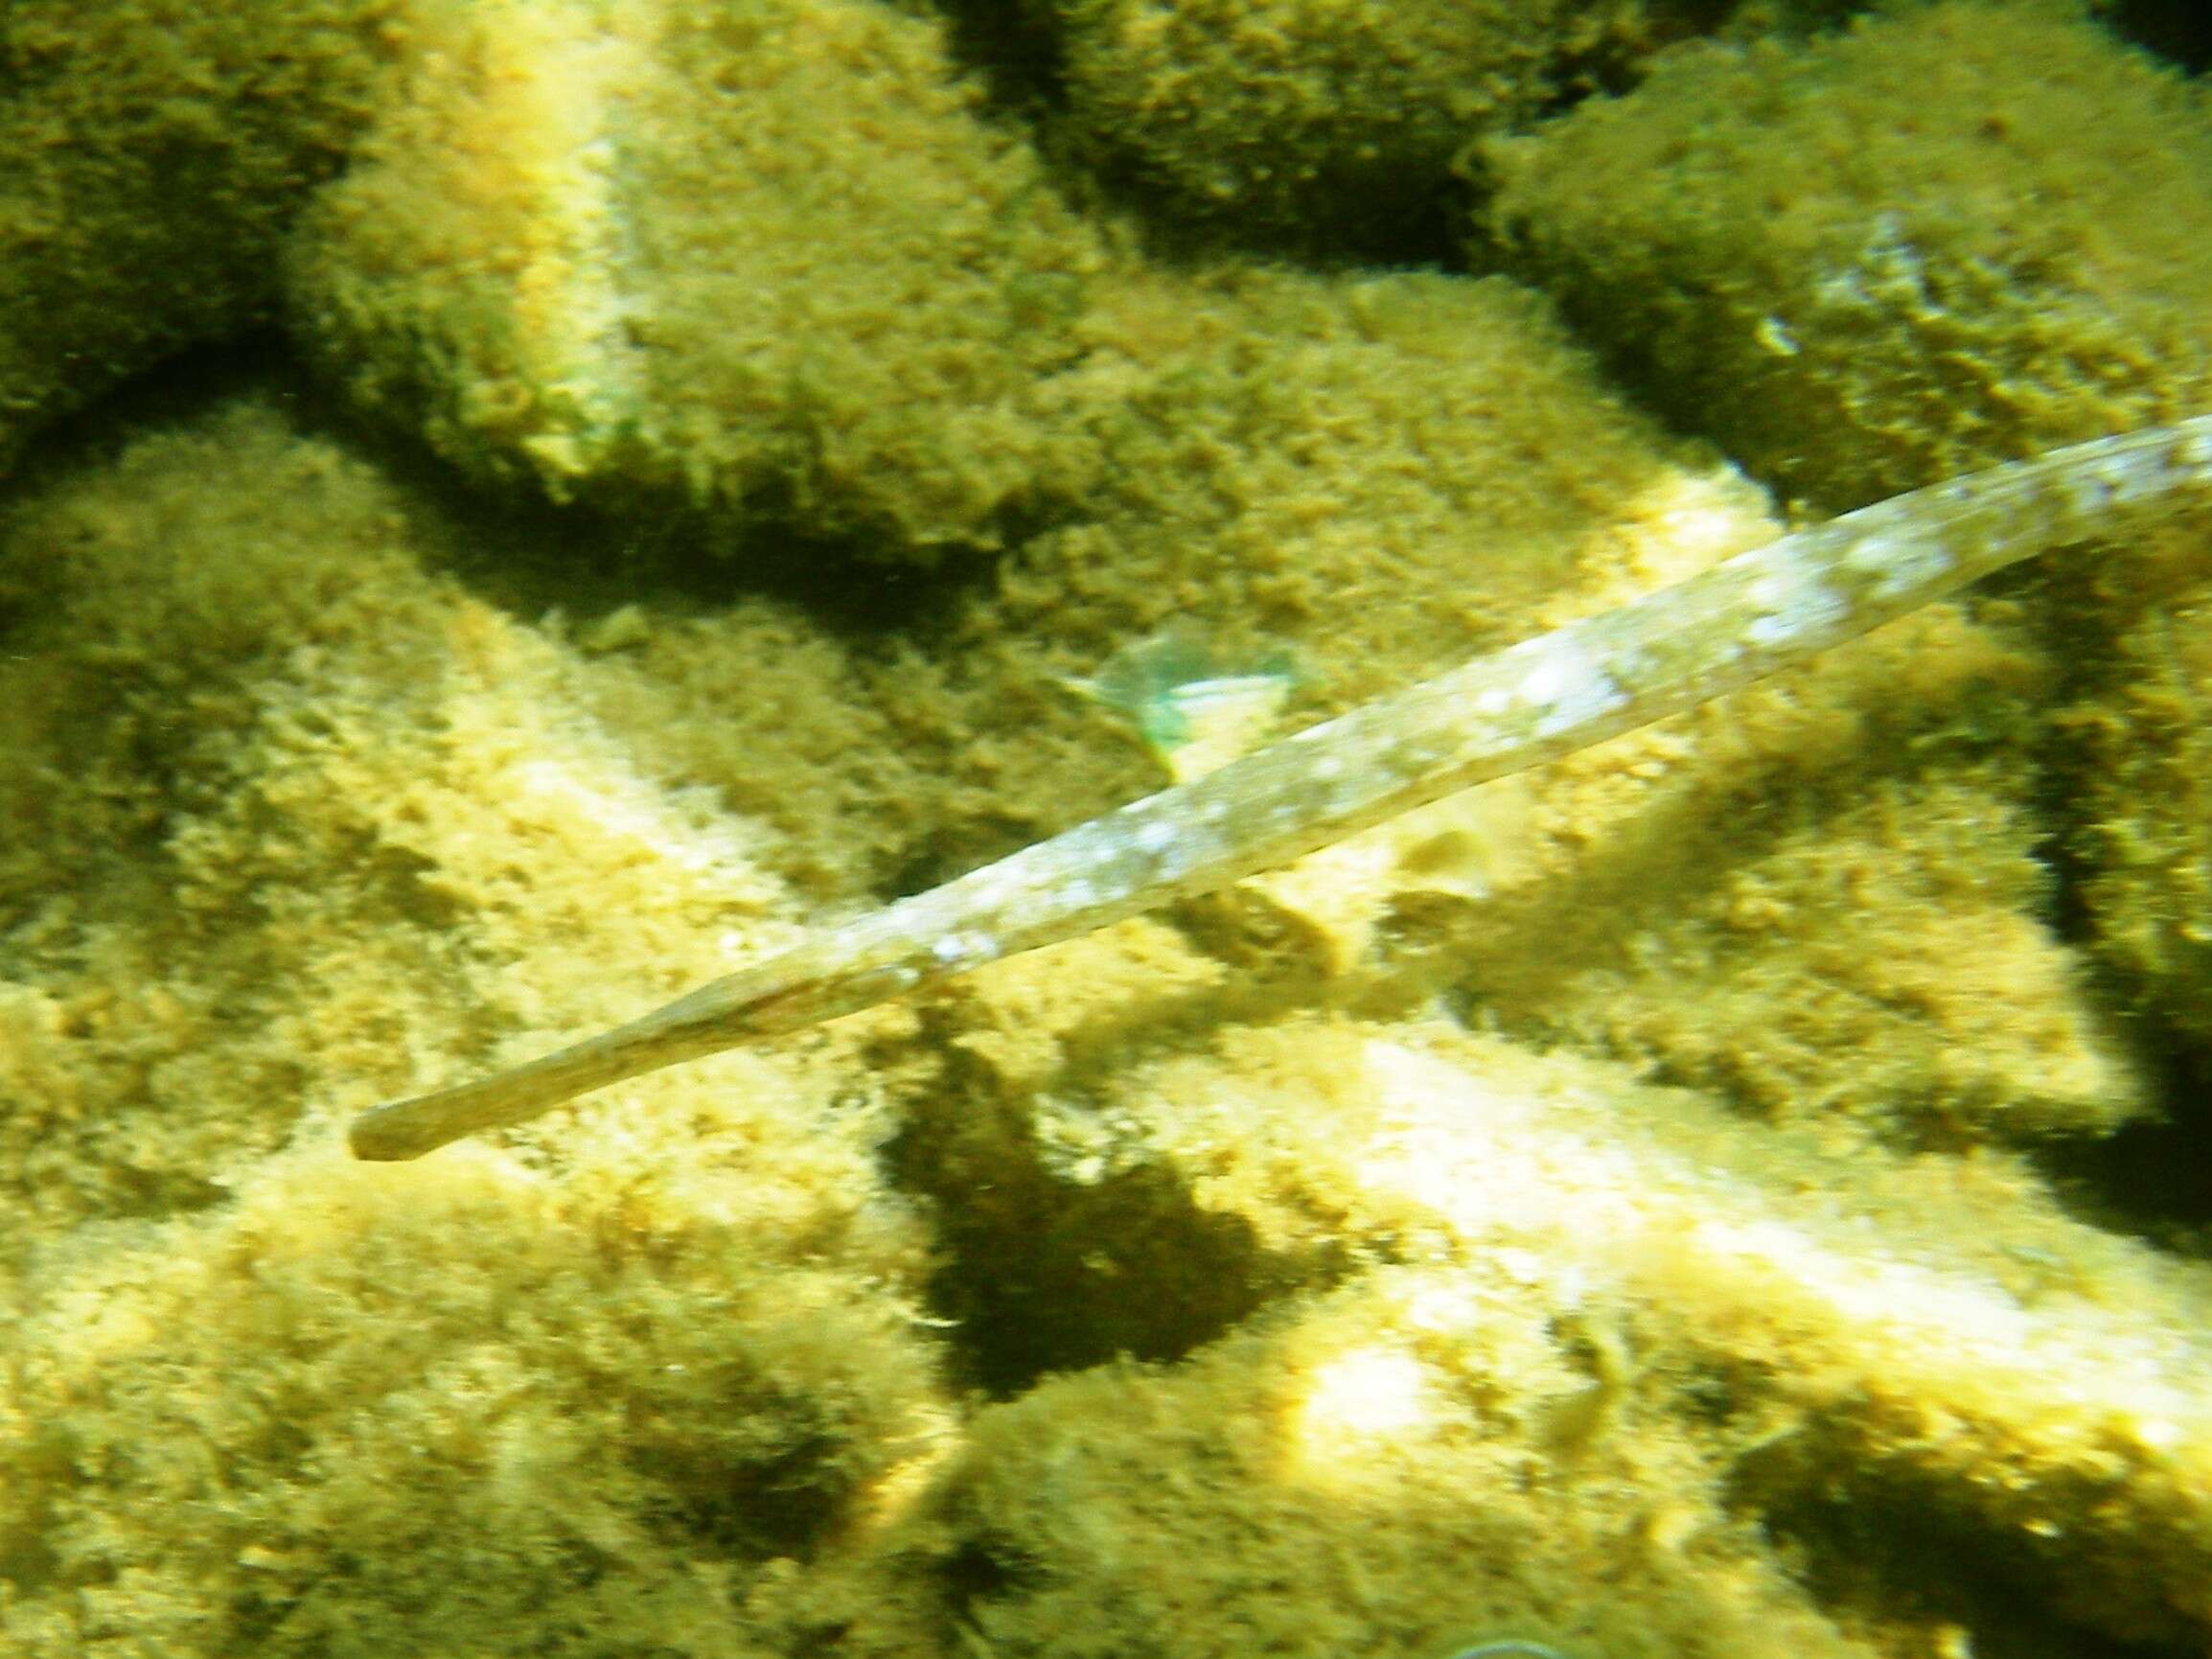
1194, 711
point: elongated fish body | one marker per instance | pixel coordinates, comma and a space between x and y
1547, 697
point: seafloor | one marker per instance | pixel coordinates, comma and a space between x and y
513, 508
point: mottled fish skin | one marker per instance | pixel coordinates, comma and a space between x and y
1547, 697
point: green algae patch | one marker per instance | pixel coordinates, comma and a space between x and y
265, 762
1825, 898
1573, 1321
291, 805
1317, 1268
1950, 234
1375, 476
674, 1371
762, 261
1325, 122
2134, 744
475, 1414
1403, 1411
156, 151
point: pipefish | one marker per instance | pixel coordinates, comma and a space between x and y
1669, 649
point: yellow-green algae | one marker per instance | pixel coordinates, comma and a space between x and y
1828, 251
1580, 1322
1254, 486
1435, 1336
1129, 1148
619, 249
146, 139
2139, 738
1874, 261
1323, 121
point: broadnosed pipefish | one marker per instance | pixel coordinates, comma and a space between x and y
1670, 650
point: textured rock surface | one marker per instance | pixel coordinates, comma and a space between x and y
157, 151
1691, 1200
1825, 256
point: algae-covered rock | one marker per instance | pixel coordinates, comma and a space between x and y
1574, 1322
1368, 477
255, 732
761, 259
1317, 1268
674, 1355
475, 1415
1958, 232
2136, 748
155, 151
1321, 119
1438, 1414
1889, 962
255, 1404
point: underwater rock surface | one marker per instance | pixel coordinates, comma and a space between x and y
1736, 1192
